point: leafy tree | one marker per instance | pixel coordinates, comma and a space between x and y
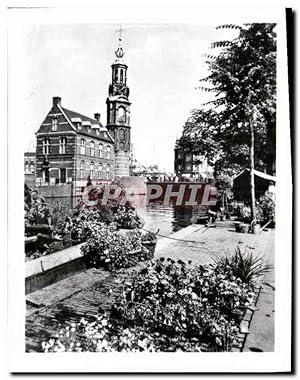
237, 128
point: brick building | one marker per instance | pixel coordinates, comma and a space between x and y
72, 147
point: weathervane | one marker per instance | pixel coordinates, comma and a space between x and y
119, 52
120, 30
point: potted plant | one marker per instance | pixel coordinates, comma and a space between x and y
149, 241
255, 228
244, 228
237, 226
228, 215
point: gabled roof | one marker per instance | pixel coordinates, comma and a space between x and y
257, 173
69, 121
88, 120
72, 114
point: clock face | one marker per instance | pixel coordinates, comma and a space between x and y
121, 115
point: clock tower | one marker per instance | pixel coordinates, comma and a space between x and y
118, 113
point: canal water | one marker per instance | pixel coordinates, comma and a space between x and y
166, 219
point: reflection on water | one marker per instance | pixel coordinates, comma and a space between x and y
165, 218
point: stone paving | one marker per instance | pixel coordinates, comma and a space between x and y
85, 293
261, 336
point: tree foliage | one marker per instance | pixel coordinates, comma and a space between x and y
243, 79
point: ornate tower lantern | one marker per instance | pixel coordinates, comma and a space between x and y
118, 112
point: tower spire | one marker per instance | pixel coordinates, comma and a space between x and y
120, 52
118, 111
120, 33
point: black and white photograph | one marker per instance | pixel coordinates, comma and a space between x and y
149, 191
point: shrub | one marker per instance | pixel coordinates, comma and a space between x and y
266, 208
108, 246
245, 266
182, 302
59, 214
37, 210
104, 335
126, 217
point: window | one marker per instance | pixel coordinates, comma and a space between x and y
46, 175
100, 150
46, 146
108, 152
92, 148
82, 146
188, 157
121, 115
82, 168
63, 175
26, 167
122, 135
62, 145
107, 171
32, 167
54, 123
100, 170
92, 169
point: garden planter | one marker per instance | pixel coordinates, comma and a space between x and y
238, 315
244, 228
202, 219
41, 220
237, 226
255, 229
108, 266
149, 254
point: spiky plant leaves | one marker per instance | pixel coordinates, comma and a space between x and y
244, 265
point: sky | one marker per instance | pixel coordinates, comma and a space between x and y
73, 61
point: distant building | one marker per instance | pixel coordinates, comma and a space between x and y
150, 172
29, 168
189, 165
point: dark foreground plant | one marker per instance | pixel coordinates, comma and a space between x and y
244, 265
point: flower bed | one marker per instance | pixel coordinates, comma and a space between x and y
70, 227
170, 306
108, 247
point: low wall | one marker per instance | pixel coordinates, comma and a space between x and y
56, 191
47, 270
